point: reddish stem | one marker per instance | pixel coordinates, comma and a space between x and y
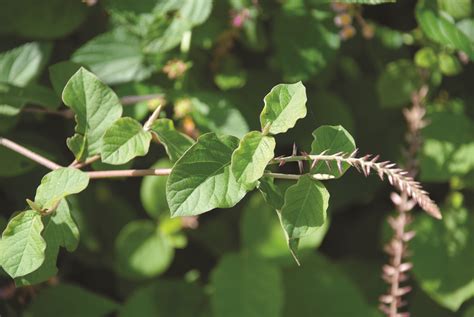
29, 154
130, 173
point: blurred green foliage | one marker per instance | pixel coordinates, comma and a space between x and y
210, 64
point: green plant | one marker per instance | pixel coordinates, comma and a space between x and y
216, 171
169, 128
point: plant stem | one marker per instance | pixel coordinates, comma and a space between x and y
282, 176
152, 118
396, 176
130, 173
131, 100
66, 113
297, 176
396, 271
29, 154
88, 161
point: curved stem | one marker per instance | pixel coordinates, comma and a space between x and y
29, 154
396, 176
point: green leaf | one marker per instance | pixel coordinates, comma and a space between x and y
426, 58
216, 114
142, 251
196, 11
22, 247
458, 9
230, 74
360, 1
397, 83
60, 229
441, 30
271, 193
14, 164
124, 140
153, 191
448, 147
21, 65
305, 207
175, 142
246, 286
467, 26
449, 65
116, 57
58, 184
201, 179
53, 19
449, 244
164, 298
331, 110
331, 139
250, 159
185, 15
315, 46
14, 98
96, 106
320, 288
70, 300
60, 73
261, 233
284, 105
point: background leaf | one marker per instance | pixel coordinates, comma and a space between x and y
441, 30
153, 192
21, 65
142, 251
67, 299
336, 295
115, 57
448, 147
246, 286
164, 298
334, 139
449, 243
397, 83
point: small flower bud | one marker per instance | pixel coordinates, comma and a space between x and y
343, 19
347, 32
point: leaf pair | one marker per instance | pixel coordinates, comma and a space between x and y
30, 243
100, 130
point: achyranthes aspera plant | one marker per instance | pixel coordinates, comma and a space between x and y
216, 171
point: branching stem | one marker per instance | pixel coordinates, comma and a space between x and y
396, 176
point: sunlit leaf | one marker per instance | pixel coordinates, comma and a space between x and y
22, 246
250, 159
284, 105
201, 179
124, 140
96, 107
